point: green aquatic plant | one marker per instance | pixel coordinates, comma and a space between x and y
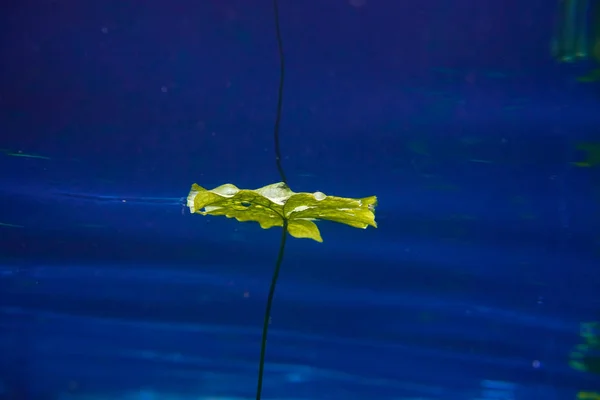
592, 76
274, 204
277, 205
585, 356
588, 395
591, 151
571, 34
577, 34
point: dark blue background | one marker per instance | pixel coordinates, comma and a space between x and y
453, 113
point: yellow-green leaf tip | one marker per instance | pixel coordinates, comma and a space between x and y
271, 204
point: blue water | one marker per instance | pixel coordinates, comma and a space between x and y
474, 285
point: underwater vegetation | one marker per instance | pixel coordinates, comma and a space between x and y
591, 153
572, 39
586, 355
577, 34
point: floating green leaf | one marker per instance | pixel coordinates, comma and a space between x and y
272, 204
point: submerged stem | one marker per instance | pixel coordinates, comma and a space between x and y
267, 320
